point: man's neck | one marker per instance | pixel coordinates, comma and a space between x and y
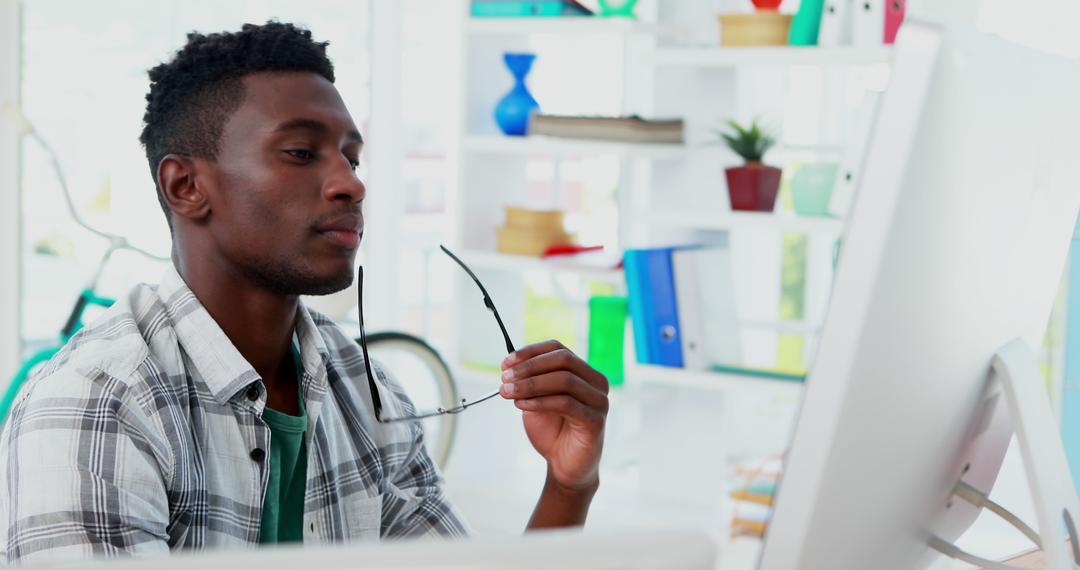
259, 323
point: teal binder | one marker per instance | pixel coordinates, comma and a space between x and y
806, 23
527, 8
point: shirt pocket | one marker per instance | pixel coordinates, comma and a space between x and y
363, 517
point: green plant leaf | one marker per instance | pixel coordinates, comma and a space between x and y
751, 143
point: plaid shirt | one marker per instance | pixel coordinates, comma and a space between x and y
144, 435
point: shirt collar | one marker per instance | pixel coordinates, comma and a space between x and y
314, 353
224, 370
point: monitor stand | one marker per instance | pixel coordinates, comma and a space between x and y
1047, 469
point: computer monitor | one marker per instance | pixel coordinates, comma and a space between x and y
956, 244
565, 550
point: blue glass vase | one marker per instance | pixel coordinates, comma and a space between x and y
513, 110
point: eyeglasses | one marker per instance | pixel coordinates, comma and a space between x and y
465, 404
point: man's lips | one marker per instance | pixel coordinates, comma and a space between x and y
344, 238
343, 230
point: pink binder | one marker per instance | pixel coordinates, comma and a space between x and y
894, 16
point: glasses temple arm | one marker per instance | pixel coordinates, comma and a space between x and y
376, 401
502, 327
487, 298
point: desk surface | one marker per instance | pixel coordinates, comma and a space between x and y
1030, 559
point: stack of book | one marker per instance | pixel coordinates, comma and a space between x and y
623, 129
753, 498
531, 232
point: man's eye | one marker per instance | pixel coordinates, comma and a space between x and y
354, 163
302, 154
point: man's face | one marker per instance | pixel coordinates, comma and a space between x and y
285, 212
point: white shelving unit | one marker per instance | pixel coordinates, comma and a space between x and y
663, 194
666, 193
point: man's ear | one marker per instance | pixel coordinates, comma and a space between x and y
182, 190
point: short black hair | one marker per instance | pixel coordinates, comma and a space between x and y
192, 95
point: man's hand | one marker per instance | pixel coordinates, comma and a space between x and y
565, 405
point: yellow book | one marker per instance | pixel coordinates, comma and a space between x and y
749, 497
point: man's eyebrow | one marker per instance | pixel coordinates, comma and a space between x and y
314, 125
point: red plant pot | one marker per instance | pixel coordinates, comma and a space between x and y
767, 4
753, 187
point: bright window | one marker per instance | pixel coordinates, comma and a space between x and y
84, 85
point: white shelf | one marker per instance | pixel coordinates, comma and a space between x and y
715, 381
785, 327
650, 375
833, 149
779, 55
551, 146
563, 25
502, 261
728, 220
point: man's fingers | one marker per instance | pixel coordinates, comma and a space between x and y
526, 352
558, 359
563, 405
554, 383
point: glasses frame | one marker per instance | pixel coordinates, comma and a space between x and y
465, 404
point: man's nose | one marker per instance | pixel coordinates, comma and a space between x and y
343, 184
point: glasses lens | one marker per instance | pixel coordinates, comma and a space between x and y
421, 373
488, 303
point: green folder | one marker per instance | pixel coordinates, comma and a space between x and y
607, 322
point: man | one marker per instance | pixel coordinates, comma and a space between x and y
215, 410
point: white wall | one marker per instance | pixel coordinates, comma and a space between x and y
383, 145
10, 207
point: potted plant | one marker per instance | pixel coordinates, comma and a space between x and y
753, 186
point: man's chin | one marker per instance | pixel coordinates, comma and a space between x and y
293, 280
332, 284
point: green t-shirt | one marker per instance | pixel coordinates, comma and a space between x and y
283, 506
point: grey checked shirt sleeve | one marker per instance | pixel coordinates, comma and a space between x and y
79, 475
